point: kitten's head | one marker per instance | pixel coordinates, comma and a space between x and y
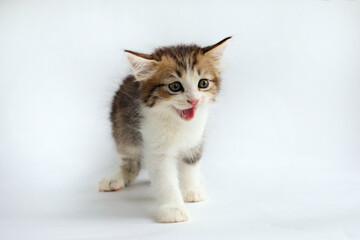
179, 79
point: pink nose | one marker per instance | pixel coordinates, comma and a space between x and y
193, 102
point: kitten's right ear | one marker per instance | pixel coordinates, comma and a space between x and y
142, 65
215, 52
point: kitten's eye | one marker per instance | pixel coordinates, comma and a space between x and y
175, 87
203, 83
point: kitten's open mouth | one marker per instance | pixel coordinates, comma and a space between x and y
186, 114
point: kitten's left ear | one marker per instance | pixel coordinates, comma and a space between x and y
215, 52
142, 65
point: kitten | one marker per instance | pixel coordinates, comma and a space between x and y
158, 115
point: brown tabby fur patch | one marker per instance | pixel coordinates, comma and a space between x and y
175, 61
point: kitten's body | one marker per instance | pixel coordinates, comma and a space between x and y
156, 122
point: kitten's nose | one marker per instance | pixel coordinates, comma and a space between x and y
193, 102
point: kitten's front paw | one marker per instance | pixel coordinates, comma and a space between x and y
111, 185
196, 194
173, 214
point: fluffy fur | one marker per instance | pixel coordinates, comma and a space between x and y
162, 124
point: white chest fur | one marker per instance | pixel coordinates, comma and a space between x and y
162, 130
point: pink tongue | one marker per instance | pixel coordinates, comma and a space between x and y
187, 113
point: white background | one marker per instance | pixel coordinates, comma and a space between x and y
283, 141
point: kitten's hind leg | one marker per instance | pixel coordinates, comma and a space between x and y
129, 169
115, 183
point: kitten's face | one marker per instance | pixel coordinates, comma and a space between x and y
180, 79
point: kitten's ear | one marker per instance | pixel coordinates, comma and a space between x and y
215, 52
142, 65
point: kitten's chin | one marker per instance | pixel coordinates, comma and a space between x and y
186, 114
